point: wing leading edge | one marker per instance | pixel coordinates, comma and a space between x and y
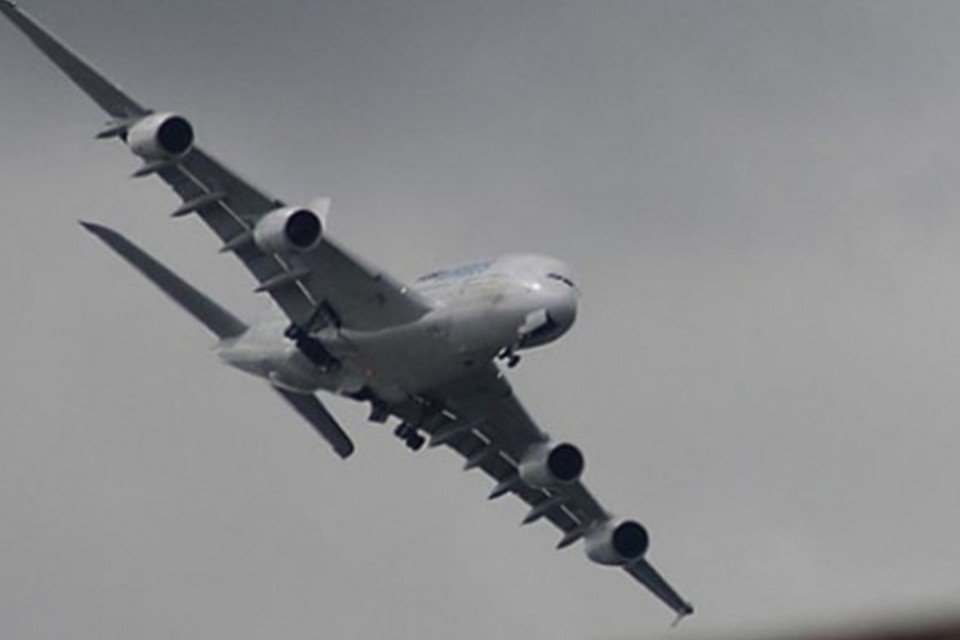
328, 277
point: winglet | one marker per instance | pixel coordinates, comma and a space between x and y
322, 207
682, 614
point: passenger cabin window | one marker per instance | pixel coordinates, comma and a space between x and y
457, 273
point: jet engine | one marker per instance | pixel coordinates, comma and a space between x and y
161, 136
289, 230
617, 542
550, 464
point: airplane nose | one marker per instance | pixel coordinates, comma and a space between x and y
566, 313
562, 308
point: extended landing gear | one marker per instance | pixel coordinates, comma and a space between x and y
379, 411
410, 435
510, 356
313, 349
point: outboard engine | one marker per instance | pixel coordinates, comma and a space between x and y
617, 542
161, 136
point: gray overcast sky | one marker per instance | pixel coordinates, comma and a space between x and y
761, 200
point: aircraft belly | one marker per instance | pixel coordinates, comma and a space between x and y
468, 327
263, 351
405, 359
435, 349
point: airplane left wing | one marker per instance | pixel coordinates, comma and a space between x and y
480, 417
323, 285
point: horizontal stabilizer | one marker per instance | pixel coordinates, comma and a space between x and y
308, 406
220, 321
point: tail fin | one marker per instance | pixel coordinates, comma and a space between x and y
220, 321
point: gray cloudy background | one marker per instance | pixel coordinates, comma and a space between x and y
762, 203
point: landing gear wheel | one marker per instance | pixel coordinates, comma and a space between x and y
416, 442
379, 411
509, 356
410, 436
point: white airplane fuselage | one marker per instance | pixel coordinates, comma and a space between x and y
478, 311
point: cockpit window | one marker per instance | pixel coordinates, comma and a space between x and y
565, 280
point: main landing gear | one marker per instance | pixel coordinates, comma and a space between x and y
380, 412
510, 356
312, 348
410, 435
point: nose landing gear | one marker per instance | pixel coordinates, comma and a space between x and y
410, 435
510, 356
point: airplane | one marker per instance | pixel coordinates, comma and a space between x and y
425, 353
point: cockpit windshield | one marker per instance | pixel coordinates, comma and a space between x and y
561, 278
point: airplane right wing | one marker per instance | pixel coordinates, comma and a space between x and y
324, 285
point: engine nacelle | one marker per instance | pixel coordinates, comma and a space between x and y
550, 464
617, 542
290, 229
161, 136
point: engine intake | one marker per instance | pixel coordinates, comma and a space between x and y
161, 136
289, 230
617, 542
551, 464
